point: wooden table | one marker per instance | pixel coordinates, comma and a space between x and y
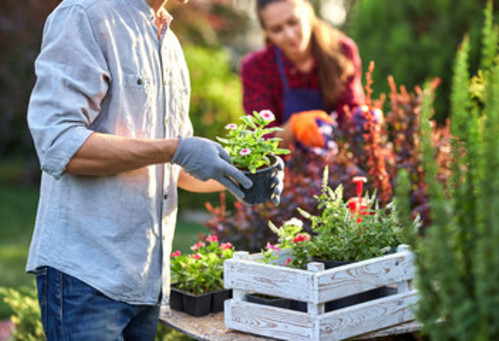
212, 328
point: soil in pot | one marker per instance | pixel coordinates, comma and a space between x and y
197, 305
218, 299
263, 187
269, 300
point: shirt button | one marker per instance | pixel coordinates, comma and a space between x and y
139, 81
165, 196
164, 83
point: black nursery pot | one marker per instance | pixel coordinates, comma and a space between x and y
218, 299
272, 301
176, 299
197, 305
262, 188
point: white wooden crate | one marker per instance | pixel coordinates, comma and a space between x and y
316, 286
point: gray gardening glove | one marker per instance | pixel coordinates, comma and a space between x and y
205, 159
278, 182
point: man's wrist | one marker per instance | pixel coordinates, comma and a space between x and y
168, 149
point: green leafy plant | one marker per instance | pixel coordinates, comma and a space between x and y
341, 235
291, 236
458, 258
268, 254
249, 144
202, 270
26, 318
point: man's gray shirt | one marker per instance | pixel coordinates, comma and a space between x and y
103, 69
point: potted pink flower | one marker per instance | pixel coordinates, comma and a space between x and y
254, 151
197, 277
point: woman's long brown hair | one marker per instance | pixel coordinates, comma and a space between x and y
333, 67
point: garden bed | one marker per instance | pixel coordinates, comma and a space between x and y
316, 286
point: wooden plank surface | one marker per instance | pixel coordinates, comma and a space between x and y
206, 328
283, 324
362, 276
212, 328
268, 279
367, 317
249, 275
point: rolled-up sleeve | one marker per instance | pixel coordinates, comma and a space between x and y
72, 80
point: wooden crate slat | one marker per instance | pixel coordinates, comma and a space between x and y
317, 286
362, 276
367, 317
269, 279
269, 321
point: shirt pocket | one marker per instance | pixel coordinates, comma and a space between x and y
136, 104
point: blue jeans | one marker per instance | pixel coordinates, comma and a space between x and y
73, 310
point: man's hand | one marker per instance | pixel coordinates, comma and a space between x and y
205, 159
305, 127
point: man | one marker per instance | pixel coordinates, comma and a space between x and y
109, 118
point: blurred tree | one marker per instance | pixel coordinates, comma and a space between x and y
216, 94
416, 39
208, 23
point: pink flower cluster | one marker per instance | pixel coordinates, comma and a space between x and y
301, 238
197, 246
272, 247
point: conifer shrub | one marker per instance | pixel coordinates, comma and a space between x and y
458, 258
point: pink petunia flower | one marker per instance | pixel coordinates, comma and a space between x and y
231, 126
176, 253
267, 115
212, 238
225, 246
197, 246
196, 256
245, 151
272, 247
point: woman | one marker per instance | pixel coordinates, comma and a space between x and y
307, 69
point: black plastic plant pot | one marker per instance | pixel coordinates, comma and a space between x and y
272, 301
176, 299
360, 298
197, 305
329, 264
219, 297
298, 306
262, 188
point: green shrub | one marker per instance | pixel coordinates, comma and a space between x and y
216, 97
458, 259
416, 39
26, 317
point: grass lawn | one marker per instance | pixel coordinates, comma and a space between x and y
17, 215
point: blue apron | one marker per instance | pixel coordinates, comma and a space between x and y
296, 100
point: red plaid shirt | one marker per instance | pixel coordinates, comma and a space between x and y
263, 89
